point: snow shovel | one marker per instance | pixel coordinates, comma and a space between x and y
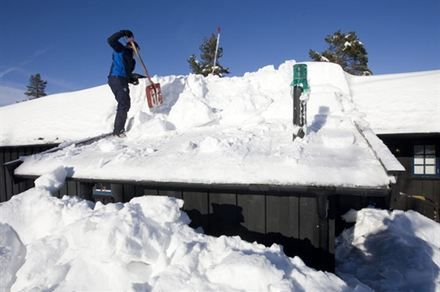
154, 94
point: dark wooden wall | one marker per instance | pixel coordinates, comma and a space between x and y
291, 220
8, 185
419, 193
304, 223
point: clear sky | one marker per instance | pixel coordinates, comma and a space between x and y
65, 40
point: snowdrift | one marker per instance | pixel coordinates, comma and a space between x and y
68, 244
143, 245
390, 251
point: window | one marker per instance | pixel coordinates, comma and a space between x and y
424, 160
103, 189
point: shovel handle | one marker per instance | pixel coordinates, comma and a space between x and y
136, 51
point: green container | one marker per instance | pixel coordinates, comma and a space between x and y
300, 76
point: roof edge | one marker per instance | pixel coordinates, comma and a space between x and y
304, 190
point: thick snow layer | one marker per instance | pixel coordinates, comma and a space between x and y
57, 118
394, 103
399, 103
227, 131
146, 244
383, 153
68, 244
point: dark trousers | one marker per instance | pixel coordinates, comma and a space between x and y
119, 86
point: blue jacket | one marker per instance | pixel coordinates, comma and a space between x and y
123, 62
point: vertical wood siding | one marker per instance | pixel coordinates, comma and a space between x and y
8, 186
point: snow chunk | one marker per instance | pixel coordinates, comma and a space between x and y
12, 256
190, 110
108, 146
52, 181
238, 266
188, 113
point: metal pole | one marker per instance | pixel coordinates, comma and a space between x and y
297, 91
216, 49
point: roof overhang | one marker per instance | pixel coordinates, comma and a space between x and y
275, 189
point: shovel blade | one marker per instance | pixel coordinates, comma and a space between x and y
154, 95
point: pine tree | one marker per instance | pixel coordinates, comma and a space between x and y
206, 63
346, 50
36, 87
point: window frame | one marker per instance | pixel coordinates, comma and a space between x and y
424, 155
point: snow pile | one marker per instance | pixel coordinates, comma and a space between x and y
197, 101
50, 244
239, 125
395, 103
190, 101
390, 251
147, 245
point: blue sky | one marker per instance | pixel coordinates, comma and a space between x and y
65, 41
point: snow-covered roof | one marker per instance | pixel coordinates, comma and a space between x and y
394, 103
234, 130
57, 118
399, 103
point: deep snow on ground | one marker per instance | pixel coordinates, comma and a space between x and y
68, 244
217, 130
142, 245
390, 251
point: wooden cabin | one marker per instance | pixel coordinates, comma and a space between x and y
302, 215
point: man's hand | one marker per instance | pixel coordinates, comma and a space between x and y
128, 33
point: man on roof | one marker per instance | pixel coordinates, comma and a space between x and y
120, 75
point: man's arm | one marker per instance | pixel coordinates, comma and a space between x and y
113, 40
